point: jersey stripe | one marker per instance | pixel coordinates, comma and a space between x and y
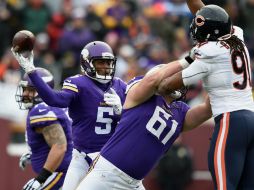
54, 181
43, 119
219, 155
70, 88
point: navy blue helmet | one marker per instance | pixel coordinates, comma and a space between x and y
210, 23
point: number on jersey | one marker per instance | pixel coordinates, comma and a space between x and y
241, 67
163, 124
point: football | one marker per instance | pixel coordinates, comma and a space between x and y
23, 41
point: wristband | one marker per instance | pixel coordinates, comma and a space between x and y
185, 62
43, 175
189, 59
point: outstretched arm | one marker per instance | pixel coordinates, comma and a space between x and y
195, 5
49, 96
148, 86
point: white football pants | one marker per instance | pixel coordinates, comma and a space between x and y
106, 176
77, 169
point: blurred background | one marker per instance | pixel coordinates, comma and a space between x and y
142, 33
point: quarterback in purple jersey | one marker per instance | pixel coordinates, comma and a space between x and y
94, 100
150, 123
48, 135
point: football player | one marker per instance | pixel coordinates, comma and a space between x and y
48, 135
222, 62
150, 123
94, 100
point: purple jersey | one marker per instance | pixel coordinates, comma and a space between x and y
42, 115
94, 121
144, 134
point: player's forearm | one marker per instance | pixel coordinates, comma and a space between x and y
48, 95
195, 5
197, 115
169, 70
55, 157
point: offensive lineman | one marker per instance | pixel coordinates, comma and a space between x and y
150, 123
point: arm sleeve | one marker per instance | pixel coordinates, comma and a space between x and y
42, 117
49, 96
195, 72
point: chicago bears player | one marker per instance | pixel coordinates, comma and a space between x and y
48, 135
150, 123
94, 100
222, 62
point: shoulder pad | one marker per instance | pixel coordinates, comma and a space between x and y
42, 113
210, 50
238, 32
132, 82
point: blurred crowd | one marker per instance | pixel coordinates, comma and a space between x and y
142, 34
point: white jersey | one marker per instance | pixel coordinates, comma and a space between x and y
226, 76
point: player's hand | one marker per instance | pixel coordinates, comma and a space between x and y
114, 101
24, 160
187, 60
175, 95
32, 184
192, 53
27, 63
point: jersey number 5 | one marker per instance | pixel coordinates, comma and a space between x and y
241, 67
163, 124
103, 120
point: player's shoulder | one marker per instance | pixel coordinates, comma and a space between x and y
133, 81
72, 83
213, 49
117, 79
208, 50
74, 79
119, 82
238, 32
40, 109
180, 105
42, 112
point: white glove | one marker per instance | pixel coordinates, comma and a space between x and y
32, 184
192, 52
24, 160
114, 101
27, 63
175, 94
187, 60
